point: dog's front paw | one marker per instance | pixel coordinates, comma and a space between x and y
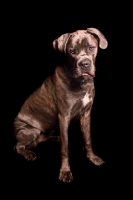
96, 160
30, 156
65, 176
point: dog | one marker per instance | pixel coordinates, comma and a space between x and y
65, 95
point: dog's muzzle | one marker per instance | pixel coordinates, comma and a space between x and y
86, 68
84, 64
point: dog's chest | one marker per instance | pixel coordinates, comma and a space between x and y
86, 99
80, 104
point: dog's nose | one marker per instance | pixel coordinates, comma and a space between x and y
84, 64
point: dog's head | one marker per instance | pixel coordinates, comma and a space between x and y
81, 49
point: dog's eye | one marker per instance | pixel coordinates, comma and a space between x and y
91, 48
72, 51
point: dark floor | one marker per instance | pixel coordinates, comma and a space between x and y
41, 176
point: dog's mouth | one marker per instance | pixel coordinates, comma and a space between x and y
86, 74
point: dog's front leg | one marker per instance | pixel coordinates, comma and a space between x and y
65, 172
85, 122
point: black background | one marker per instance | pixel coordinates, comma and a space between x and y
29, 58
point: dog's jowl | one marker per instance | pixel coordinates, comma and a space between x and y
66, 94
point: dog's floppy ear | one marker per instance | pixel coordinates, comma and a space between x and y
60, 43
102, 40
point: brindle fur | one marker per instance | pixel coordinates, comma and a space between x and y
66, 94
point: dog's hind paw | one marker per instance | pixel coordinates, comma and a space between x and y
30, 156
65, 176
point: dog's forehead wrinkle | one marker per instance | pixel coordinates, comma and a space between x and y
82, 38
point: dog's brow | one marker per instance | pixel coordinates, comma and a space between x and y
82, 40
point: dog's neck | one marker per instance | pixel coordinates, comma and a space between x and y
71, 83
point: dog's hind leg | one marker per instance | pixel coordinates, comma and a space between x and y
24, 148
48, 136
54, 138
27, 137
28, 154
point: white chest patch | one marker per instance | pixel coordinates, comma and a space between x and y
87, 98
